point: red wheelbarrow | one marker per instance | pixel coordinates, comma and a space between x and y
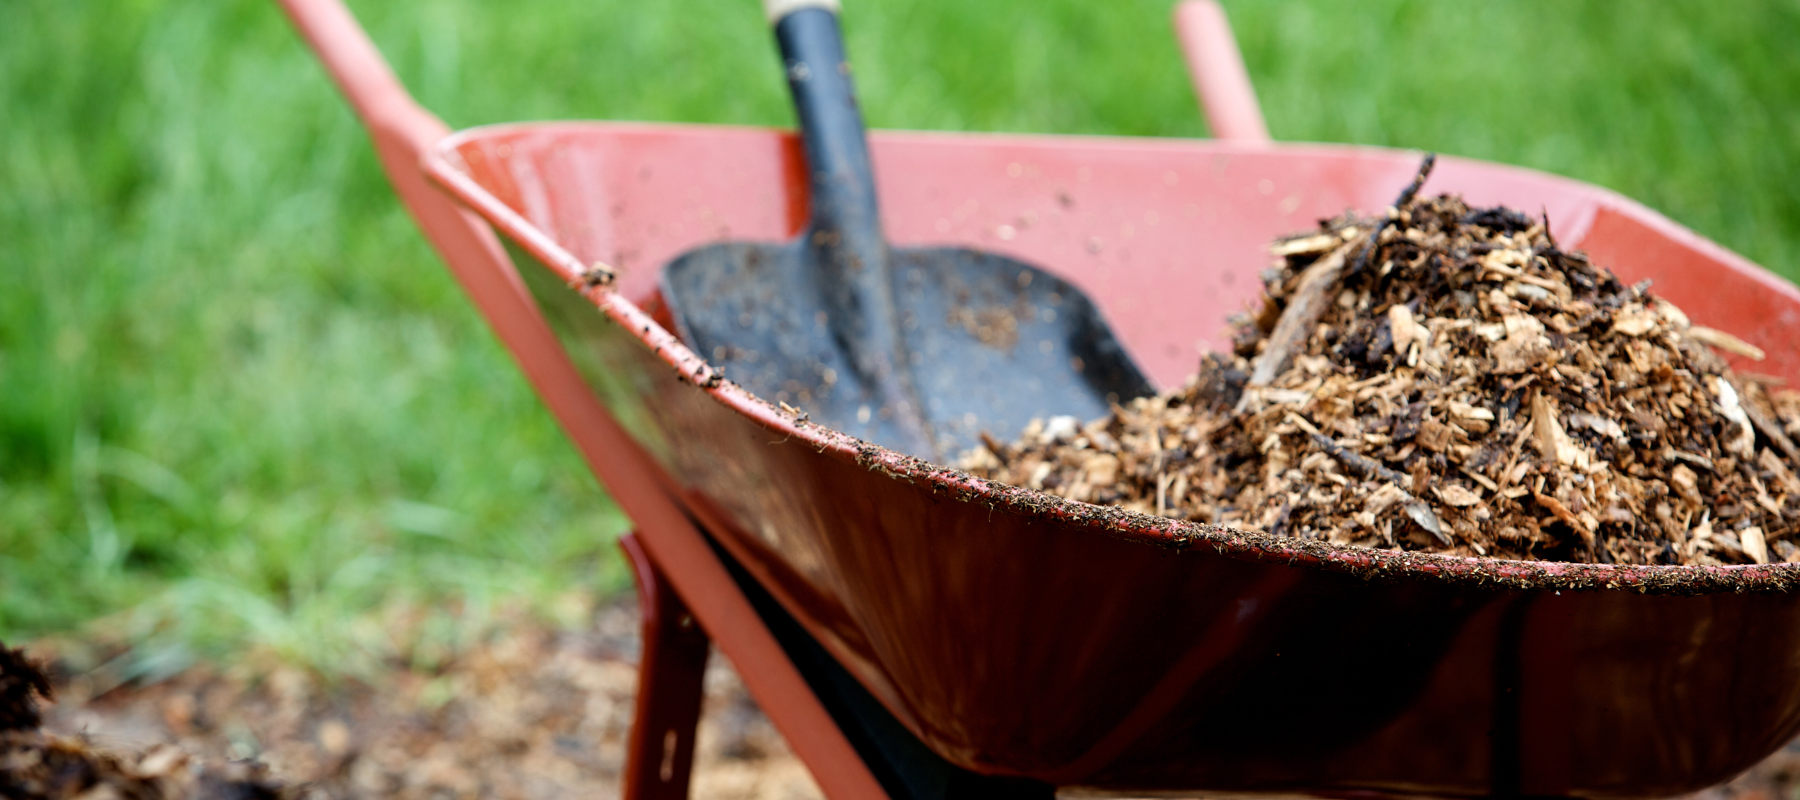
915, 632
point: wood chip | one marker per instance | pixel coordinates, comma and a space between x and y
1555, 506
1479, 478
1552, 443
1713, 337
1605, 426
1456, 496
1305, 245
1754, 545
1402, 327
1686, 483
1740, 440
1635, 320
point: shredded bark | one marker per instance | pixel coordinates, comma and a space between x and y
1447, 379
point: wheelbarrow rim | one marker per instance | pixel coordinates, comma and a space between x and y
445, 166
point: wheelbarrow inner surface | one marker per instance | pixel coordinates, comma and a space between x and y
1018, 634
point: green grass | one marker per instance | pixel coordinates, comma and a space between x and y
241, 405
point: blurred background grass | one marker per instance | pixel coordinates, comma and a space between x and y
242, 406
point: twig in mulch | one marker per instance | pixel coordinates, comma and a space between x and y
1415, 508
1316, 290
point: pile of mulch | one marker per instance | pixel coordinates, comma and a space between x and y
527, 712
1448, 379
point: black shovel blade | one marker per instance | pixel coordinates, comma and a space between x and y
990, 343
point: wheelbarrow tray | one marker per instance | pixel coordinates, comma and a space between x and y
1018, 634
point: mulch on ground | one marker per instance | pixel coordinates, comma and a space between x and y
532, 713
528, 713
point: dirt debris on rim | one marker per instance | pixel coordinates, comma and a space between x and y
1447, 379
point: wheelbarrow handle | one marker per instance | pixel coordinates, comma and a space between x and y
1217, 68
356, 66
831, 124
847, 255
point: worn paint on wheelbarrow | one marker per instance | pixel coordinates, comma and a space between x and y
1016, 633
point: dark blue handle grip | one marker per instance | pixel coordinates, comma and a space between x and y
831, 125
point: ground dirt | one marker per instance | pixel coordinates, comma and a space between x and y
531, 713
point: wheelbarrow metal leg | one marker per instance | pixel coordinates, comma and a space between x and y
671, 669
906, 768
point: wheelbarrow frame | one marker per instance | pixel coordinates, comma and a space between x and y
681, 580
679, 577
681, 574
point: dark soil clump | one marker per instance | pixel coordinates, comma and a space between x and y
1445, 378
38, 766
21, 684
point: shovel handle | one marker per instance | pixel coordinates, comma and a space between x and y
846, 252
776, 9
831, 124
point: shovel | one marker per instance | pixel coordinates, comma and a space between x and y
920, 350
